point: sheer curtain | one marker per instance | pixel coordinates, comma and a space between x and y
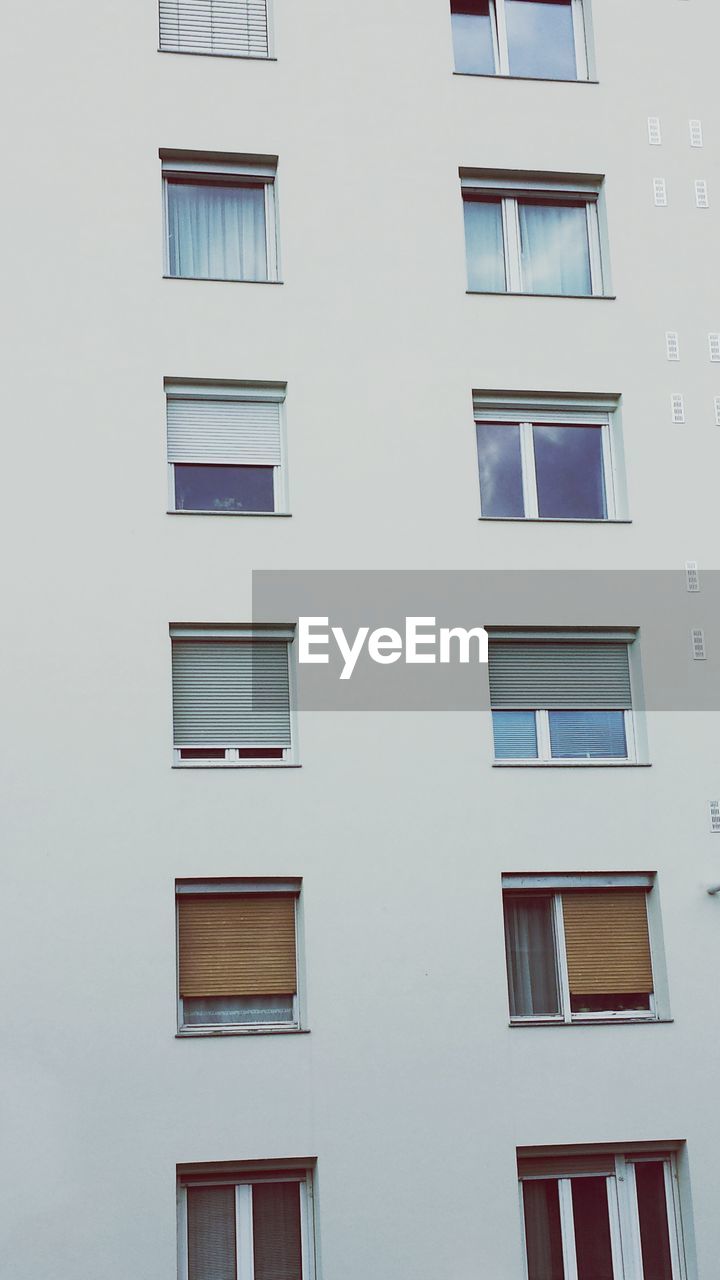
485, 246
530, 949
555, 249
217, 232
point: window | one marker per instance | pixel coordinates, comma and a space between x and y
235, 28
548, 460
601, 1216
532, 235
245, 1224
539, 39
237, 955
225, 448
220, 216
578, 947
231, 695
561, 696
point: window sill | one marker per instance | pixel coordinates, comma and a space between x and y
571, 764
234, 764
221, 279
496, 75
216, 1033
591, 1022
282, 515
553, 520
508, 293
201, 53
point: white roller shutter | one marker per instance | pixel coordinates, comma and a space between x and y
238, 27
223, 430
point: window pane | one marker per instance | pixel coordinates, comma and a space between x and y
530, 951
569, 472
515, 735
587, 735
276, 1231
473, 36
201, 1011
652, 1210
216, 232
211, 1233
208, 488
543, 1237
613, 1003
485, 246
501, 487
592, 1229
540, 39
555, 249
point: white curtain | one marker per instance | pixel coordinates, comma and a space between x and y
530, 948
485, 246
217, 232
555, 249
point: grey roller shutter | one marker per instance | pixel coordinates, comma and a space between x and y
548, 675
245, 432
238, 27
231, 693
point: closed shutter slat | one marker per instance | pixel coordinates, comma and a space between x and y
231, 431
567, 1166
237, 946
214, 26
231, 693
607, 943
548, 675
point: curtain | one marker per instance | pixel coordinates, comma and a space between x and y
530, 950
211, 1233
555, 248
276, 1231
543, 1236
485, 246
217, 232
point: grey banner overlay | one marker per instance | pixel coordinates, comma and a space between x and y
656, 603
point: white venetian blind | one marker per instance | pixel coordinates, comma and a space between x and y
238, 27
231, 693
555, 675
223, 430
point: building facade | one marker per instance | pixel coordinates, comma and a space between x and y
306, 995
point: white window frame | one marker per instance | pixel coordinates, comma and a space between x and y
623, 1216
228, 171
553, 887
509, 190
243, 1184
248, 392
231, 758
542, 735
568, 419
501, 48
241, 888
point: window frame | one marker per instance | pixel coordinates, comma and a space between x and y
276, 393
241, 888
623, 1215
211, 169
243, 1182
552, 888
501, 47
544, 748
232, 758
509, 190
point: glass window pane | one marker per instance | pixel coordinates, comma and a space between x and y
216, 232
199, 1011
555, 249
626, 1003
530, 951
652, 1210
484, 245
276, 1231
541, 41
592, 1229
543, 1236
499, 458
473, 36
587, 735
211, 1233
569, 473
515, 735
210, 488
